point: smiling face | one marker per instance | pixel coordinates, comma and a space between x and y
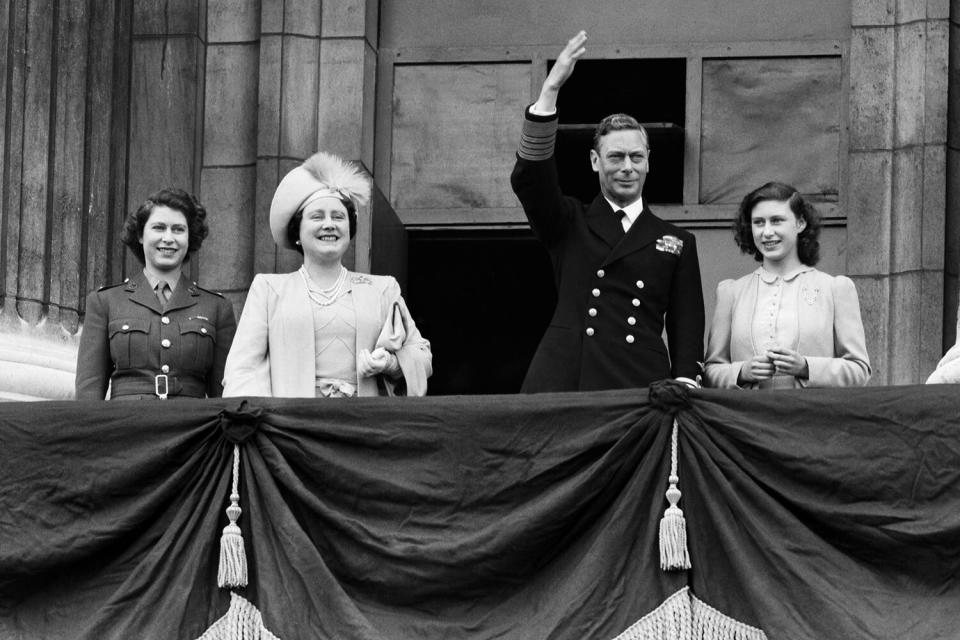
622, 163
165, 239
775, 231
325, 230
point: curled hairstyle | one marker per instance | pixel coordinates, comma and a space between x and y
175, 199
293, 227
618, 122
808, 245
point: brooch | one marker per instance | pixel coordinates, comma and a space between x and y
670, 244
809, 294
359, 278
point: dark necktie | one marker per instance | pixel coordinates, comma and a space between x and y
163, 293
620, 215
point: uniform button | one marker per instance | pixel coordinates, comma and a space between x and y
125, 327
601, 273
590, 331
165, 320
165, 368
639, 284
592, 313
203, 329
596, 293
636, 302
165, 343
631, 321
630, 338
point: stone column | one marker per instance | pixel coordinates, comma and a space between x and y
897, 182
317, 80
951, 295
64, 95
166, 102
348, 74
287, 117
228, 177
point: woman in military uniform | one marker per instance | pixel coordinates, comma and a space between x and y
157, 335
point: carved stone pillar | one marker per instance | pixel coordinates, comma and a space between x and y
64, 99
897, 150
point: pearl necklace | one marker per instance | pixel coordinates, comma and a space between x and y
324, 297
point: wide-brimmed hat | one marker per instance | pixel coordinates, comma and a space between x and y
320, 174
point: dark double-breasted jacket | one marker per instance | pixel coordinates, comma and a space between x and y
129, 339
616, 292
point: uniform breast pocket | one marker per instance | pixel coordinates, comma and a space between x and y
198, 338
129, 342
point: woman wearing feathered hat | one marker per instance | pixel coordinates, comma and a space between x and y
324, 331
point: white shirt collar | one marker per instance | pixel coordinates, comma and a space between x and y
770, 278
633, 210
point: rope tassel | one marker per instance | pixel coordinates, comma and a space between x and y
673, 526
233, 558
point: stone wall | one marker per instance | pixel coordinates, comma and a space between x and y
897, 177
104, 102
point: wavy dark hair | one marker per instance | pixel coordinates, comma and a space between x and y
618, 122
808, 243
176, 199
293, 227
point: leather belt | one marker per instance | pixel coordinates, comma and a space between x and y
160, 386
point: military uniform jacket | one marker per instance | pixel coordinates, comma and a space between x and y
615, 292
128, 339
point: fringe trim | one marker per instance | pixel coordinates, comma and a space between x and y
682, 616
672, 620
241, 622
708, 623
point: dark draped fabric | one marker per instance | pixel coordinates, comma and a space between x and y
810, 514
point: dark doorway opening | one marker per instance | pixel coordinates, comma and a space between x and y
652, 90
483, 299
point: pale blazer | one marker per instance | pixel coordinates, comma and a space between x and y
948, 369
831, 335
273, 352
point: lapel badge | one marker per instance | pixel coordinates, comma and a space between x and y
670, 244
809, 294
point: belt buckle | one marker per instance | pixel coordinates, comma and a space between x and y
161, 386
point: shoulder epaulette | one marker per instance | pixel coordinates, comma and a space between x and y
111, 286
216, 293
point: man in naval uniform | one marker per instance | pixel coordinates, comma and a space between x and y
622, 274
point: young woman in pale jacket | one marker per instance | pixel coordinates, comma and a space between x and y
323, 330
785, 325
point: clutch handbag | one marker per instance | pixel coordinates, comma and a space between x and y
394, 331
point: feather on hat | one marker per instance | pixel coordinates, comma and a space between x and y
322, 174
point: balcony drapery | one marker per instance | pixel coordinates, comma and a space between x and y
809, 514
